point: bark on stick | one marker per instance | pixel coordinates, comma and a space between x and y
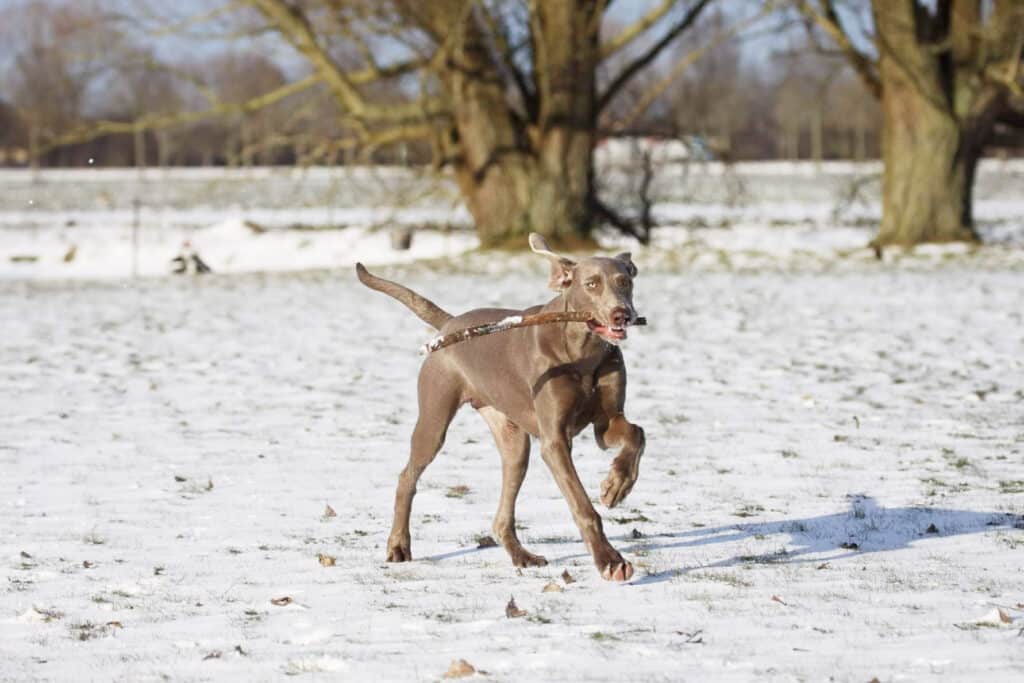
510, 323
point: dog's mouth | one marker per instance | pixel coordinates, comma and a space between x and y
612, 333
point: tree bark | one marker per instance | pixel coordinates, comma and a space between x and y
139, 148
521, 174
931, 141
930, 161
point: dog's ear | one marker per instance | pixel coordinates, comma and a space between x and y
562, 268
627, 259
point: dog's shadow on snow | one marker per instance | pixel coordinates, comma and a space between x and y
865, 527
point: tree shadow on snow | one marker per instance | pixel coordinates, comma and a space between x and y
865, 528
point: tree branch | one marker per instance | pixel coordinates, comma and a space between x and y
506, 55
828, 20
631, 33
169, 120
690, 58
638, 64
295, 27
1014, 118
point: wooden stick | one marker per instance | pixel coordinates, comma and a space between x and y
511, 323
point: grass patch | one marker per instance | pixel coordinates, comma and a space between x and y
748, 510
767, 558
723, 577
1011, 486
637, 517
457, 491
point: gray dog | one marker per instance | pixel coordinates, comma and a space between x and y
548, 381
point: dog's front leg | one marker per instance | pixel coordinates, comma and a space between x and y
625, 469
555, 405
611, 429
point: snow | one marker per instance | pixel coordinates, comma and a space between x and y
832, 485
81, 224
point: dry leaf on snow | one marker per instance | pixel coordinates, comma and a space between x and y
512, 610
281, 602
326, 560
460, 668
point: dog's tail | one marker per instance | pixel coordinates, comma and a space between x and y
427, 310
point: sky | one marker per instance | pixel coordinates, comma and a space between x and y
757, 46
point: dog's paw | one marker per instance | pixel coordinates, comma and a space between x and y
399, 552
617, 485
621, 571
522, 558
612, 566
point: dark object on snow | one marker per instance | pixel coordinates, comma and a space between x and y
401, 238
188, 261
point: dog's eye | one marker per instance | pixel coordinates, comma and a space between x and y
592, 284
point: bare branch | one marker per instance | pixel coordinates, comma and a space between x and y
827, 18
631, 33
169, 120
638, 64
690, 58
297, 30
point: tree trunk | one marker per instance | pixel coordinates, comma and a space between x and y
139, 148
534, 173
33, 150
930, 159
163, 148
861, 145
817, 135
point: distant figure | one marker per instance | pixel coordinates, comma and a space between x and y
188, 262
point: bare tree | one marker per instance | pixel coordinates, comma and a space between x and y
59, 54
506, 92
949, 76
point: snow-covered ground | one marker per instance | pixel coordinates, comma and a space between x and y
111, 224
833, 484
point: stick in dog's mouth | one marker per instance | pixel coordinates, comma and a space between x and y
613, 333
514, 321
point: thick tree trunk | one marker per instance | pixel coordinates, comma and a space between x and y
517, 196
930, 159
535, 172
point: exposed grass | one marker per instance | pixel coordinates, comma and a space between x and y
1011, 486
636, 517
748, 510
779, 555
722, 577
457, 491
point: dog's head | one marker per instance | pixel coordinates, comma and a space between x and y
599, 285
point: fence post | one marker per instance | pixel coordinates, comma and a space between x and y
136, 211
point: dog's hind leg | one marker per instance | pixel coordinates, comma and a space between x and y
439, 399
514, 446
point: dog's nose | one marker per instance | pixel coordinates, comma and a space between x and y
619, 317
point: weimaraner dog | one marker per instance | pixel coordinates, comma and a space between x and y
548, 381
